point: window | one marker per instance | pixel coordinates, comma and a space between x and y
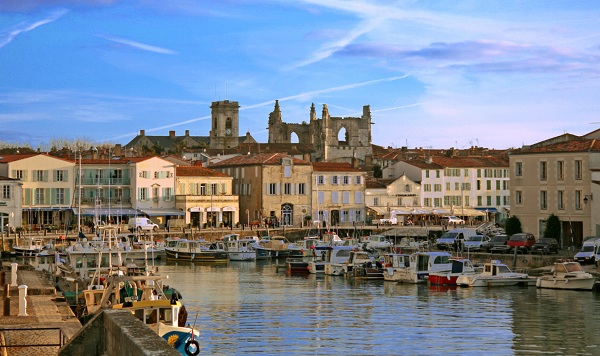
578, 170
407, 188
321, 197
272, 188
518, 197
478, 184
358, 197
213, 189
456, 186
543, 170
346, 197
143, 194
578, 199
488, 185
39, 176
39, 196
427, 202
437, 173
376, 201
19, 174
287, 188
144, 174
427, 174
543, 200
320, 180
345, 180
426, 187
6, 192
518, 169
437, 187
465, 186
335, 180
437, 202
335, 197
357, 179
560, 199
301, 188
60, 176
447, 186
497, 185
560, 170
287, 171
167, 194
155, 194
203, 189
60, 196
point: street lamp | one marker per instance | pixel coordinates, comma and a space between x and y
585, 198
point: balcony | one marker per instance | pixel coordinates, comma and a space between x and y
106, 181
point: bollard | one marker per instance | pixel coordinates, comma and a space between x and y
6, 307
13, 274
23, 300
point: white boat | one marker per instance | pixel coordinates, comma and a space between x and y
460, 267
495, 274
195, 251
567, 275
28, 247
142, 247
361, 265
420, 264
393, 263
334, 255
239, 248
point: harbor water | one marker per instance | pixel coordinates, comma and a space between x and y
252, 308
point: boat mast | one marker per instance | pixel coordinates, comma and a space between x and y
79, 200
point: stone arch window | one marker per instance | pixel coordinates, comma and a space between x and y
294, 138
287, 214
215, 123
343, 137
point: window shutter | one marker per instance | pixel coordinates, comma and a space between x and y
66, 175
25, 176
68, 195
14, 173
45, 175
278, 189
48, 195
54, 175
53, 196
27, 196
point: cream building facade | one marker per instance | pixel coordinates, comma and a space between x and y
560, 178
11, 201
206, 196
339, 194
272, 187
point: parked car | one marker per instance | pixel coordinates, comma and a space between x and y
523, 242
448, 220
545, 246
454, 239
496, 241
475, 242
587, 254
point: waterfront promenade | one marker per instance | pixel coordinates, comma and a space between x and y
44, 310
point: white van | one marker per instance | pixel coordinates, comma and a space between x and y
589, 251
449, 240
142, 224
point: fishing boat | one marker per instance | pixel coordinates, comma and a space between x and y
144, 297
239, 248
495, 274
420, 265
28, 247
196, 251
460, 266
567, 275
333, 255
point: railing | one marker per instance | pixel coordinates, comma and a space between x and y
106, 181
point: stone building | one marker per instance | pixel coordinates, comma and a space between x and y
323, 135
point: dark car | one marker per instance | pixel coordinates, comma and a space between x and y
523, 242
497, 242
545, 246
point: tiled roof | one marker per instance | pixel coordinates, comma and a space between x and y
258, 159
334, 167
577, 145
197, 171
374, 183
441, 162
17, 157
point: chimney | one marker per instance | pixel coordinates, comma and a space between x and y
187, 132
142, 132
118, 150
172, 134
354, 162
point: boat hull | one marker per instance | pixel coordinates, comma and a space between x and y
297, 267
242, 255
204, 256
566, 283
441, 279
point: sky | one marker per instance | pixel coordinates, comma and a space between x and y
436, 74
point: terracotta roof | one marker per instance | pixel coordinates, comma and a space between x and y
576, 145
198, 171
258, 159
441, 162
334, 167
16, 157
374, 183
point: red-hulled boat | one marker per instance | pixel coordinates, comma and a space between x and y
460, 266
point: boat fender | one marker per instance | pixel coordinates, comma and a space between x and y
196, 347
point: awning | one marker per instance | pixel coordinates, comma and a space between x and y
441, 211
106, 212
47, 208
213, 208
196, 209
379, 210
397, 211
487, 210
162, 212
229, 208
468, 212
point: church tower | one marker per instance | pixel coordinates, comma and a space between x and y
224, 131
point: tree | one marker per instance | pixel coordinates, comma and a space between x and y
513, 226
377, 173
553, 229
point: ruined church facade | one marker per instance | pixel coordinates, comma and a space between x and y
324, 135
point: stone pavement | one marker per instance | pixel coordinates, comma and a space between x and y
44, 310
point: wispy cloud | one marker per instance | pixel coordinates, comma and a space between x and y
138, 45
26, 27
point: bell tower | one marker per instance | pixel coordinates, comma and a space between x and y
225, 118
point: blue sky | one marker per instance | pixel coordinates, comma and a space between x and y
438, 74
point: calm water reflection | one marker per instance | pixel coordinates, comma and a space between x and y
249, 308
